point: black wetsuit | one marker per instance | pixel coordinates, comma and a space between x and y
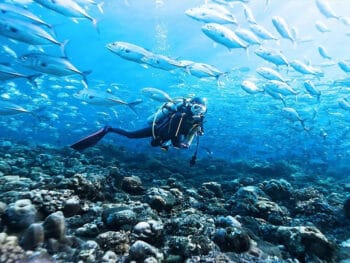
174, 127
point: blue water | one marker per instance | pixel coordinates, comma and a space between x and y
239, 126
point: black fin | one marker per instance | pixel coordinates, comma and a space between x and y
90, 140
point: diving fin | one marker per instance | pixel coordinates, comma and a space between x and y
90, 140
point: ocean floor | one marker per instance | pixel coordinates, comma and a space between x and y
111, 205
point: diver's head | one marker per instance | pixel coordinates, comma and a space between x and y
198, 106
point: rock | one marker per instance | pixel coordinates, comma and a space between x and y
54, 226
71, 207
214, 188
346, 208
89, 252
141, 250
132, 185
88, 230
188, 246
117, 242
33, 237
19, 215
227, 221
10, 251
304, 241
5, 168
277, 189
110, 257
119, 217
150, 231
232, 239
160, 199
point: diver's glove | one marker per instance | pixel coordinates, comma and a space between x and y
182, 145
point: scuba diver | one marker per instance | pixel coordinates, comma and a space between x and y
175, 123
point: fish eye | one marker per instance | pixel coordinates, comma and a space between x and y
127, 51
91, 96
43, 64
14, 30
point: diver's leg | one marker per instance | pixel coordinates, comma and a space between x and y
142, 133
90, 140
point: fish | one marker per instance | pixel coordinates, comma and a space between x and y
261, 32
209, 15
58, 66
156, 94
322, 27
270, 74
247, 36
202, 70
345, 20
9, 51
91, 2
26, 32
7, 73
323, 52
67, 8
223, 35
101, 98
9, 108
282, 28
271, 55
311, 89
344, 66
249, 14
325, 9
22, 13
161, 62
292, 115
344, 104
250, 87
305, 69
280, 87
128, 51
345, 82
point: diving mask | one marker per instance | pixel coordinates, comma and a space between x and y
198, 109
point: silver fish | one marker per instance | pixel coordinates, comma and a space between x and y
58, 66
7, 73
209, 15
270, 74
325, 9
344, 66
128, 51
249, 14
250, 87
292, 115
161, 62
22, 13
282, 28
101, 98
280, 87
344, 104
262, 32
247, 36
271, 55
305, 69
202, 70
67, 8
223, 35
9, 108
311, 89
156, 94
323, 52
26, 32
320, 26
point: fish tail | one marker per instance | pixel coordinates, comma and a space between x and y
32, 78
84, 75
132, 105
99, 6
63, 47
95, 24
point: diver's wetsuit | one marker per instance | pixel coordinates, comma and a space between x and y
173, 127
177, 127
